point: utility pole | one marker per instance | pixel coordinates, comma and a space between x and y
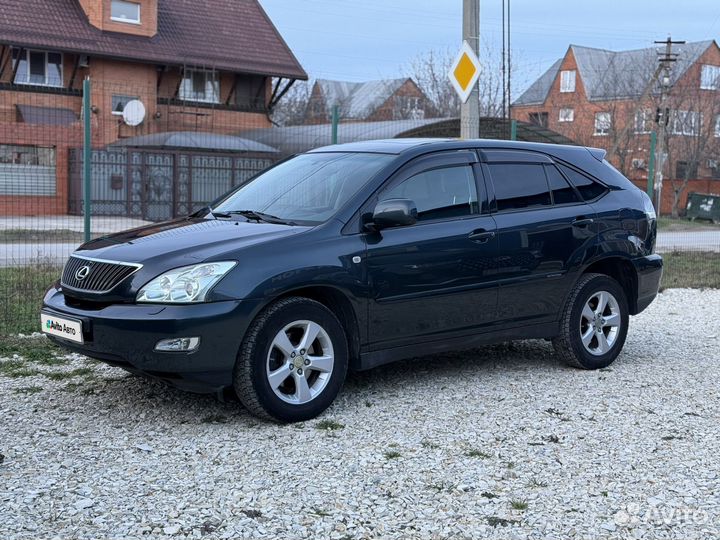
662, 116
470, 110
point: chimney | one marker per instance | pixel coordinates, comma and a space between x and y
137, 17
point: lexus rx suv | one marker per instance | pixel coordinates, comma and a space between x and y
356, 255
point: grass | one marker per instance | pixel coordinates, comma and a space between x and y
28, 390
683, 224
392, 454
329, 425
22, 372
518, 505
22, 290
690, 270
40, 350
64, 375
429, 445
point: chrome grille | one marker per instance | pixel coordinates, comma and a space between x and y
99, 276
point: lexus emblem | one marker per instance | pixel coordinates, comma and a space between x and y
82, 273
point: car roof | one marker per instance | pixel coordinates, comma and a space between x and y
414, 146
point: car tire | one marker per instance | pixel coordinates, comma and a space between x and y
293, 340
594, 323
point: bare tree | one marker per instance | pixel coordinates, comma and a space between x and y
430, 70
692, 141
290, 110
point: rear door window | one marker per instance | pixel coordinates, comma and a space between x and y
562, 191
589, 189
519, 185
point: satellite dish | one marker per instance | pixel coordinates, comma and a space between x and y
134, 113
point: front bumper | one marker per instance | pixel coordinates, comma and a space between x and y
649, 274
125, 335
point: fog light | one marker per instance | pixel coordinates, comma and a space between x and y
182, 344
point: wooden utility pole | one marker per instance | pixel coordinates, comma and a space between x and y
470, 110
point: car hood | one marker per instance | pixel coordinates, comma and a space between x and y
184, 241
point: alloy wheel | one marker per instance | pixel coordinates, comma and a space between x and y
600, 323
300, 362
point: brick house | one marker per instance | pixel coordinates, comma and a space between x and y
204, 66
610, 100
370, 101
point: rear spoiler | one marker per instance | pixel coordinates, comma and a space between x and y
597, 153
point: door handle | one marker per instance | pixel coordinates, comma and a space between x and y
583, 222
481, 236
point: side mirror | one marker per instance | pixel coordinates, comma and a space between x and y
394, 213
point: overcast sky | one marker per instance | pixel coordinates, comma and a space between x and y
358, 40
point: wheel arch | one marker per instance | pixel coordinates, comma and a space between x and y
621, 270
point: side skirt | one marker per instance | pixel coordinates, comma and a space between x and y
369, 360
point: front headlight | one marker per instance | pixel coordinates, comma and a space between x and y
184, 285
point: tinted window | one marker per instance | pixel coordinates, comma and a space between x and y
439, 193
562, 192
588, 188
519, 185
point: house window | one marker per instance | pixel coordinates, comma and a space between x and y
643, 121
119, 102
685, 123
37, 67
716, 130
123, 11
567, 80
603, 123
710, 77
407, 107
200, 85
686, 169
567, 115
250, 92
538, 118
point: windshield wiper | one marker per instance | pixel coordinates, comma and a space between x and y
210, 212
259, 216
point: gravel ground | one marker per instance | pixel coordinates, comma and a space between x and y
500, 442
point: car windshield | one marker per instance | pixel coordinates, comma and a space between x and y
307, 189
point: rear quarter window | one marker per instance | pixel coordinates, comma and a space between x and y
562, 191
589, 189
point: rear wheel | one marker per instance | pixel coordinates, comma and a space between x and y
594, 323
292, 362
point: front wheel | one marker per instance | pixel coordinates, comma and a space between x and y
594, 323
292, 362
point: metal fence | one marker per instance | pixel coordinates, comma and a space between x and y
181, 156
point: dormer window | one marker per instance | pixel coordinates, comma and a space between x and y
126, 12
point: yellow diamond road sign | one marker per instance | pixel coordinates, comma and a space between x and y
465, 71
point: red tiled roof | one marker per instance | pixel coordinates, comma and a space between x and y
230, 35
